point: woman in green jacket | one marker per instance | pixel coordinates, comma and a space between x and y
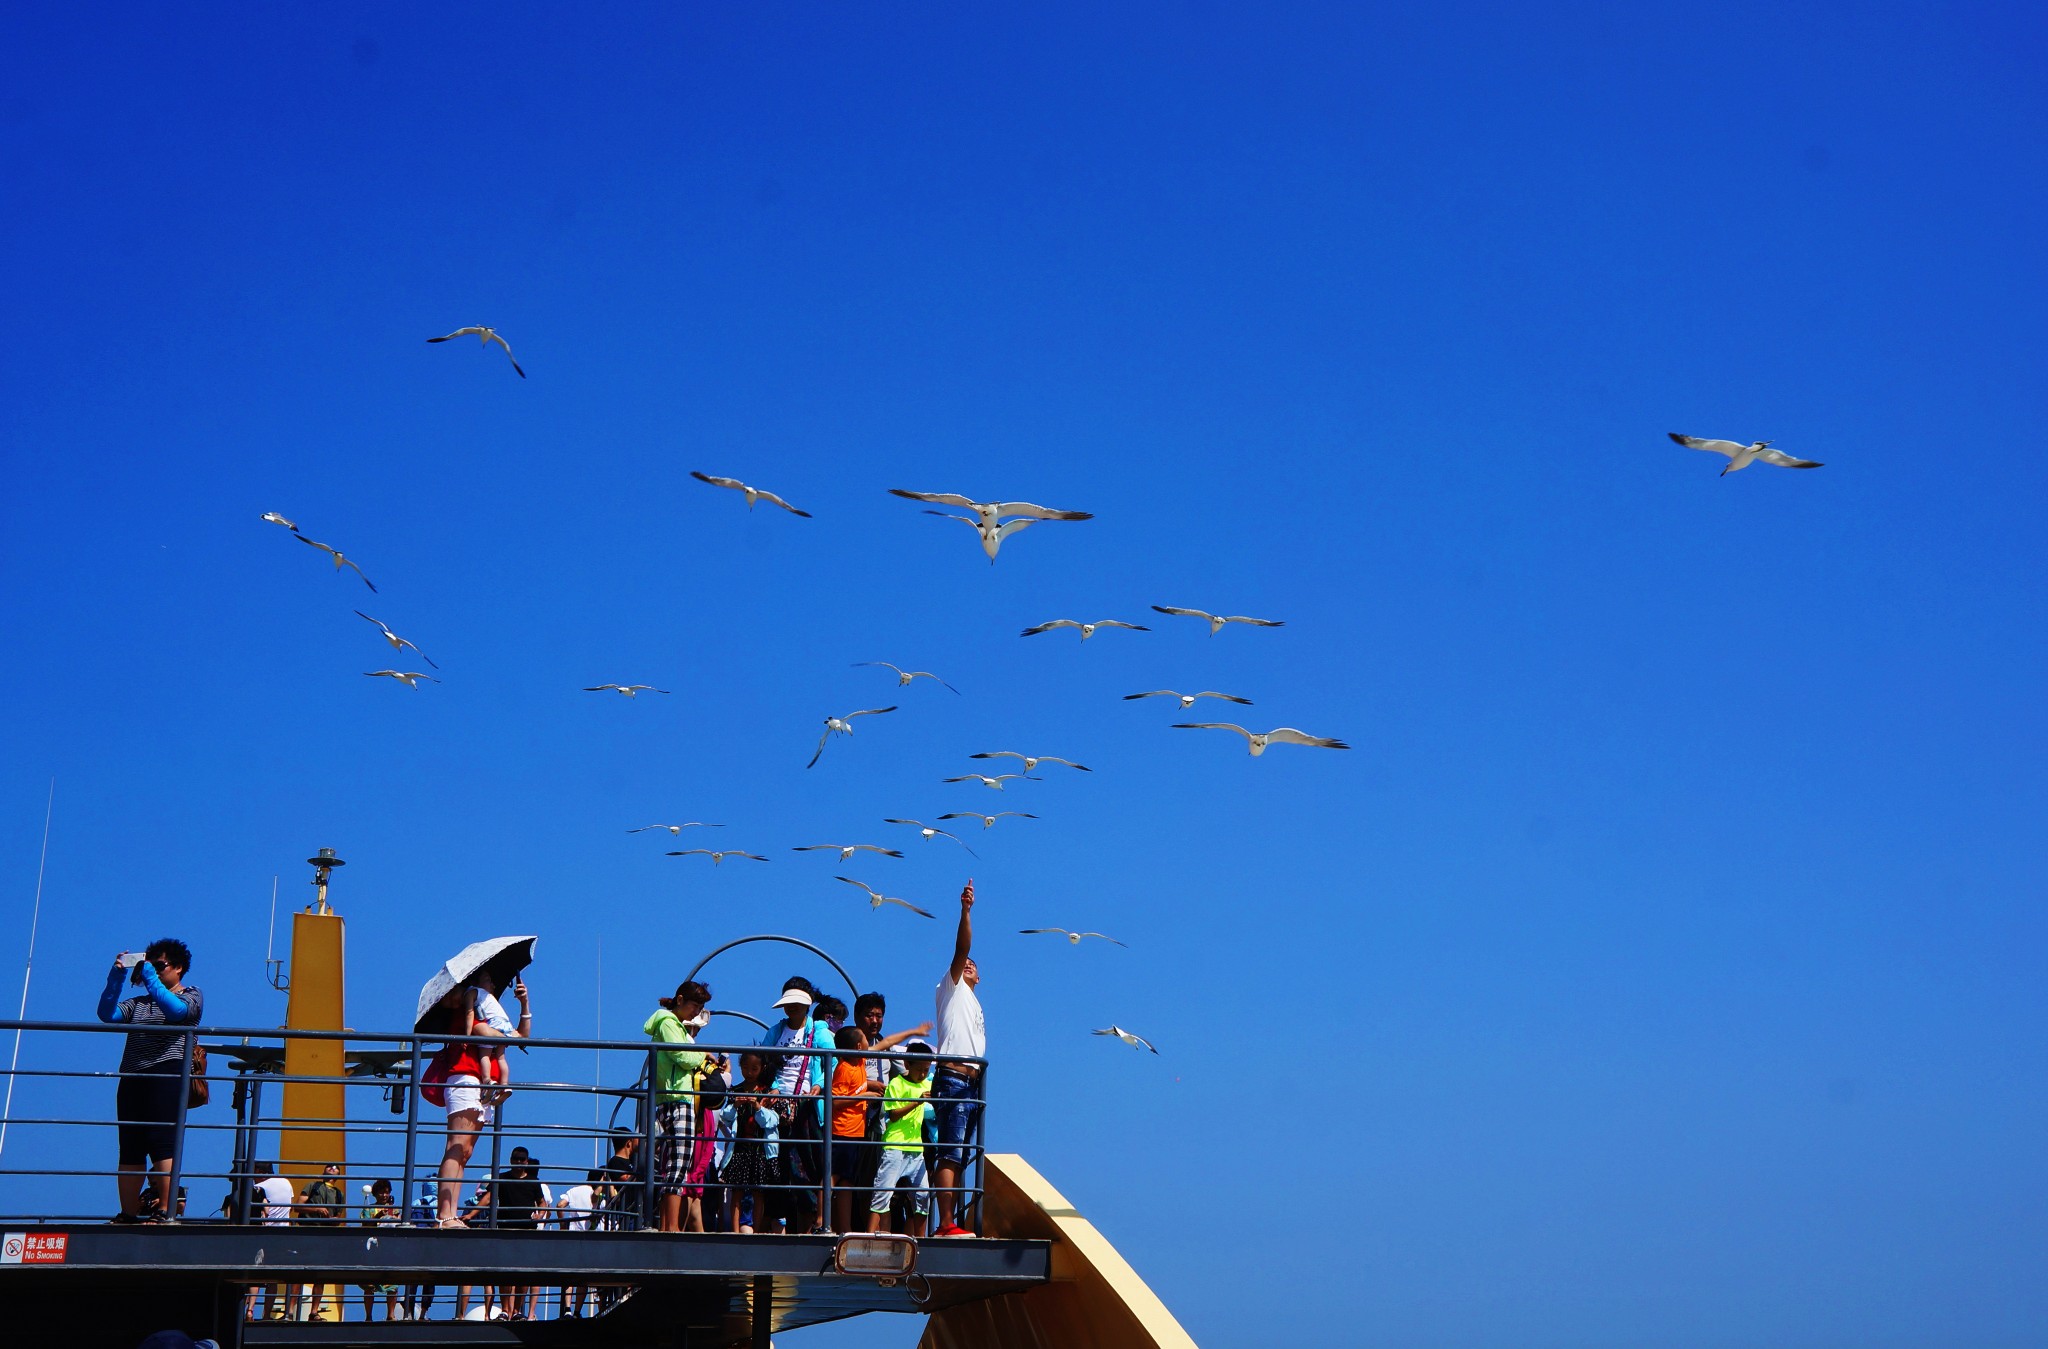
675, 1096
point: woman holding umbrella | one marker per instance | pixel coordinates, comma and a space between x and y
462, 1074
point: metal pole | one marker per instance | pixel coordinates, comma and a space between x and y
497, 1154
647, 1218
764, 1310
980, 1147
255, 1142
412, 1130
168, 1200
28, 967
825, 1198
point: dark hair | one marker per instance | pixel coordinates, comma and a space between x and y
850, 1037
380, 1186
596, 1176
265, 1169
827, 1007
519, 1154
917, 1047
621, 1137
798, 981
172, 950
862, 1003
688, 991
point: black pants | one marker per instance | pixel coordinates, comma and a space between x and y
146, 1113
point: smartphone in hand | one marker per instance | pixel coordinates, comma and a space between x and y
128, 960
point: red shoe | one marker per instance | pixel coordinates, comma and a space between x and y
953, 1230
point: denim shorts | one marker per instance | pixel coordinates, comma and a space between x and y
955, 1105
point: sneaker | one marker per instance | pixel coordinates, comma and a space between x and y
953, 1230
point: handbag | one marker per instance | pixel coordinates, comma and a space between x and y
200, 1091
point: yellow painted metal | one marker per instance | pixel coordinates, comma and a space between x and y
314, 1002
1095, 1300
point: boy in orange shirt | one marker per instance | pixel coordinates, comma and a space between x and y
851, 1092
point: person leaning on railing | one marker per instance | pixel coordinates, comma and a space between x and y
152, 1064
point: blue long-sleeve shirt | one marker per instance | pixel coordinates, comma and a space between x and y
157, 1005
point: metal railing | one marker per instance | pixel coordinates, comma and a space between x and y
46, 1175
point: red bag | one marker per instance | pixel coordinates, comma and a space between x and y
457, 1061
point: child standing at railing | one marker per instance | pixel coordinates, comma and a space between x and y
752, 1162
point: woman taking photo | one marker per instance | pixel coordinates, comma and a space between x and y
152, 1064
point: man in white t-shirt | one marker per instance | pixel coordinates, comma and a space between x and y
956, 1087
273, 1198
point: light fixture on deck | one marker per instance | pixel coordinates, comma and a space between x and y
321, 865
878, 1255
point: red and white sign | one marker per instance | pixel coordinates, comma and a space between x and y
33, 1248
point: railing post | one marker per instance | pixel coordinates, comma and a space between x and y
412, 1131
647, 1127
825, 1123
980, 1147
497, 1156
168, 1201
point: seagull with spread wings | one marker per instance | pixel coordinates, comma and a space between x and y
903, 676
1073, 938
1130, 1038
274, 518
1285, 735
340, 561
987, 821
930, 832
410, 678
996, 782
676, 828
843, 726
1087, 629
753, 493
876, 899
630, 690
485, 336
1031, 761
1216, 621
988, 518
397, 643
847, 850
992, 536
1187, 700
715, 855
1742, 456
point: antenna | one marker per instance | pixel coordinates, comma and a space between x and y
596, 1121
28, 966
273, 969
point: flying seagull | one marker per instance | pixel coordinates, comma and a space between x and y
716, 857
904, 676
339, 560
1216, 621
274, 518
676, 828
996, 782
987, 821
1742, 456
847, 850
1087, 629
988, 516
410, 678
1285, 735
753, 493
1187, 700
841, 726
397, 643
992, 536
1073, 938
485, 336
1133, 1040
1031, 761
931, 833
630, 690
876, 899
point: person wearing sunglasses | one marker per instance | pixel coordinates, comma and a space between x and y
152, 1064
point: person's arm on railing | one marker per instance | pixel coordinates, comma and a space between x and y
110, 997
963, 940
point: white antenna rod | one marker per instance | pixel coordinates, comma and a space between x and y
270, 965
596, 1098
28, 967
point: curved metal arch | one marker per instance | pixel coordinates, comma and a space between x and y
851, 987
744, 1016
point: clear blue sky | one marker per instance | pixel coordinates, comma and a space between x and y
1663, 964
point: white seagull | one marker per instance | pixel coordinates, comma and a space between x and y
1285, 735
1187, 700
339, 560
847, 850
410, 678
842, 726
753, 493
988, 516
992, 536
715, 856
274, 518
676, 828
397, 643
931, 833
1135, 1041
1216, 621
1087, 629
876, 899
1073, 938
486, 336
630, 690
996, 782
1031, 761
903, 676
1742, 456
987, 821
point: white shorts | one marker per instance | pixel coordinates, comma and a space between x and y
465, 1091
899, 1165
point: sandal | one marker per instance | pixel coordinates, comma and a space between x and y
447, 1223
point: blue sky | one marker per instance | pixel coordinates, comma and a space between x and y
1662, 964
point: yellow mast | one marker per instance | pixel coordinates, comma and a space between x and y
314, 1002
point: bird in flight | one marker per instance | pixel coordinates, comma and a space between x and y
992, 536
1216, 621
715, 856
847, 850
410, 678
1031, 761
904, 676
274, 518
843, 726
1187, 700
876, 899
1073, 938
630, 690
485, 336
1087, 629
931, 833
1742, 456
676, 828
339, 560
397, 643
1285, 735
1130, 1038
987, 821
988, 518
753, 493
996, 782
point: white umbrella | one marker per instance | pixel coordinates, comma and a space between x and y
502, 956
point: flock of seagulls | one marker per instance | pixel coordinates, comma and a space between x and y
994, 523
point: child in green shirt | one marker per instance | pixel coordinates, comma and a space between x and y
903, 1113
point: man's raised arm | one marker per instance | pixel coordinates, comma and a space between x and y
963, 944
